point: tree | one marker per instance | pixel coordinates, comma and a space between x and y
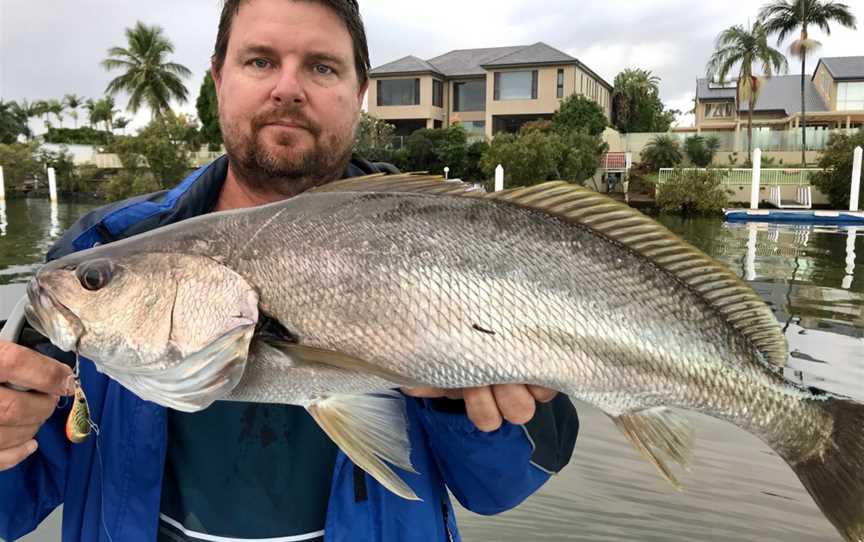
580, 113
700, 150
13, 122
693, 193
102, 110
738, 46
662, 151
636, 104
19, 164
159, 149
55, 107
73, 102
433, 150
208, 112
120, 123
787, 16
836, 161
373, 134
148, 79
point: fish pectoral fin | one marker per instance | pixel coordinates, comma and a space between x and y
370, 429
659, 434
310, 354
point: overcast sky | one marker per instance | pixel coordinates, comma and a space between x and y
49, 48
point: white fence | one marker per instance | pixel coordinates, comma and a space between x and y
744, 176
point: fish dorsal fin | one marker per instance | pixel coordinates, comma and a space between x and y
731, 297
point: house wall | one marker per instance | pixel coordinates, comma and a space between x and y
826, 86
423, 111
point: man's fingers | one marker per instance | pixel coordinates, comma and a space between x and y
515, 402
12, 456
544, 395
30, 369
13, 436
25, 407
482, 409
429, 393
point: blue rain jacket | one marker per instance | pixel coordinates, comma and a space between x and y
110, 486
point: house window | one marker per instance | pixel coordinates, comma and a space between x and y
850, 96
469, 95
474, 128
559, 89
437, 93
398, 92
516, 85
722, 110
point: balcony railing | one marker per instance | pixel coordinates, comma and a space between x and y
744, 176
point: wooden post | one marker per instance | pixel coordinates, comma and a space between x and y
856, 179
757, 177
499, 178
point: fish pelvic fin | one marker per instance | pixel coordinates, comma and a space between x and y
834, 474
659, 434
370, 429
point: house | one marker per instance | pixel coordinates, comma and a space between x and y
485, 90
834, 98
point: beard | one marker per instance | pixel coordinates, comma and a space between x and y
282, 165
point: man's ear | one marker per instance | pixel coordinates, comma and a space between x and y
362, 93
216, 74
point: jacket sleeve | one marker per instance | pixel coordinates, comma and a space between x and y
489, 473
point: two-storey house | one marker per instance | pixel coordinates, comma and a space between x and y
485, 90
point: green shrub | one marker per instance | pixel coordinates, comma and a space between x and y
578, 113
20, 164
78, 136
128, 183
693, 193
700, 150
836, 181
661, 152
433, 149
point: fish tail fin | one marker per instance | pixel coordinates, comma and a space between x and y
834, 475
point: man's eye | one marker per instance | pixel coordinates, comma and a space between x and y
261, 63
323, 69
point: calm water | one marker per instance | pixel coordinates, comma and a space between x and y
738, 489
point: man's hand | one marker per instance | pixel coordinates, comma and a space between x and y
23, 412
488, 406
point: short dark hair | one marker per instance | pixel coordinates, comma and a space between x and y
347, 10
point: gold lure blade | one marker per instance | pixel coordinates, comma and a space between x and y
78, 424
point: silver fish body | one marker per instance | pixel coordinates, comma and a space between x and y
452, 291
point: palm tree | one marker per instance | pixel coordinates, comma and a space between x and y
786, 16
102, 111
738, 46
148, 78
73, 102
632, 88
56, 108
120, 123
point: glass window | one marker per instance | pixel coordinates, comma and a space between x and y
721, 110
398, 92
559, 90
469, 95
437, 93
850, 96
474, 127
516, 85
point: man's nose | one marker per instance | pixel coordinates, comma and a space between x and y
289, 87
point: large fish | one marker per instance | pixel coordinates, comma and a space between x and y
368, 284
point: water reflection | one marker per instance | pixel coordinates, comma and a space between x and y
55, 232
3, 218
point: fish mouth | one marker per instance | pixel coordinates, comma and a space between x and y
51, 318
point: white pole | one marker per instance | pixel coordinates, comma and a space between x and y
52, 185
499, 178
850, 258
2, 186
757, 177
446, 173
856, 179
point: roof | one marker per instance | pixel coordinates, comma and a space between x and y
779, 93
843, 67
472, 62
408, 64
539, 53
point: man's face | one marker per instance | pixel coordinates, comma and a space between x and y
289, 97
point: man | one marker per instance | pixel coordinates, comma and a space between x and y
290, 78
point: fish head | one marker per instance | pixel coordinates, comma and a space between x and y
174, 328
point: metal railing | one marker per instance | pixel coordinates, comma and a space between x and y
744, 176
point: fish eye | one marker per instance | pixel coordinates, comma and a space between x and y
95, 275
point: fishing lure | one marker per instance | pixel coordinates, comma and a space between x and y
78, 424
